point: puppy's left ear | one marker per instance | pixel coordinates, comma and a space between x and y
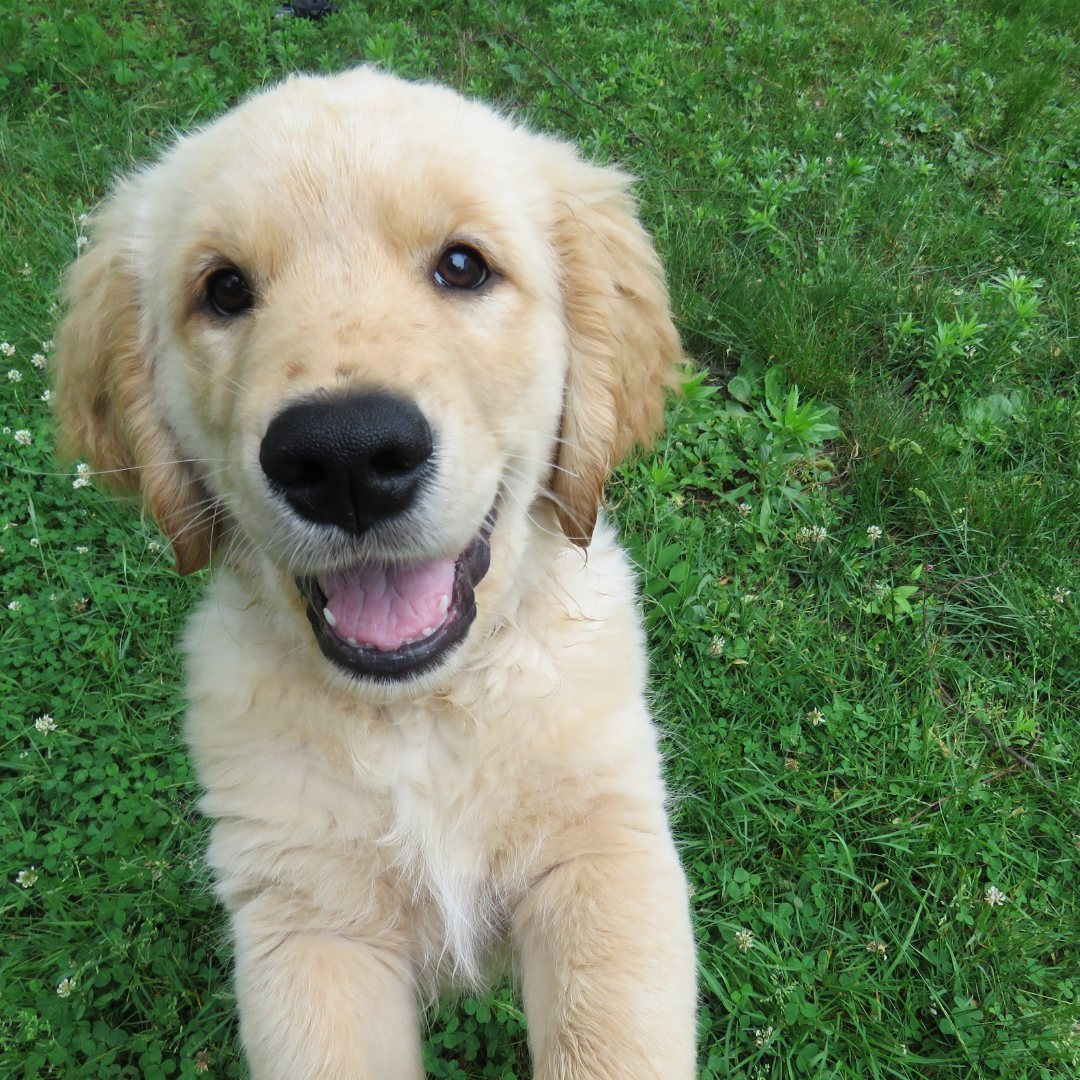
623, 344
104, 400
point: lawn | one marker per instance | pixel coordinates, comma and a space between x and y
859, 541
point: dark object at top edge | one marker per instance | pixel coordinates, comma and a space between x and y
309, 9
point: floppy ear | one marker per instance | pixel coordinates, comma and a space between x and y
623, 345
104, 400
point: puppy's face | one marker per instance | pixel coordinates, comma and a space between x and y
361, 331
353, 322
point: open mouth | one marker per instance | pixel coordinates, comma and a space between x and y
396, 620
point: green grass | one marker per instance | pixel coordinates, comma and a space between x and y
877, 201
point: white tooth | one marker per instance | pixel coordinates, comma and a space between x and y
351, 640
444, 603
328, 615
427, 631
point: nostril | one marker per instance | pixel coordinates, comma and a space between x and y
297, 472
394, 461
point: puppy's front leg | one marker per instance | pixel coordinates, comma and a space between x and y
317, 1005
608, 963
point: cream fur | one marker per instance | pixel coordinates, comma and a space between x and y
378, 844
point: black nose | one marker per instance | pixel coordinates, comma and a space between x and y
348, 461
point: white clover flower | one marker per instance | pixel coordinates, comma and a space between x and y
26, 271
23, 437
876, 948
26, 878
762, 1036
745, 509
47, 396
7, 431
839, 136
792, 764
45, 724
46, 346
81, 241
81, 482
873, 532
82, 550
14, 375
1060, 594
154, 546
38, 360
716, 646
83, 219
995, 897
65, 988
53, 598
816, 717
812, 534
35, 542
82, 469
7, 349
15, 605
744, 940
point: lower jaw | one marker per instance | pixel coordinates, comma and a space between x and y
413, 659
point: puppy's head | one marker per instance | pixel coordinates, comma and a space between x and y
365, 331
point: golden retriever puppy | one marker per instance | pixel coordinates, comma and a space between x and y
375, 349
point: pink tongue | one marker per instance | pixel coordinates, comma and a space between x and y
387, 606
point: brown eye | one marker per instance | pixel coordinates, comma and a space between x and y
227, 292
461, 267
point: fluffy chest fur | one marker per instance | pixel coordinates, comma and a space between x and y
438, 807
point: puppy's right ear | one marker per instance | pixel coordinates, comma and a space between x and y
104, 400
623, 344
